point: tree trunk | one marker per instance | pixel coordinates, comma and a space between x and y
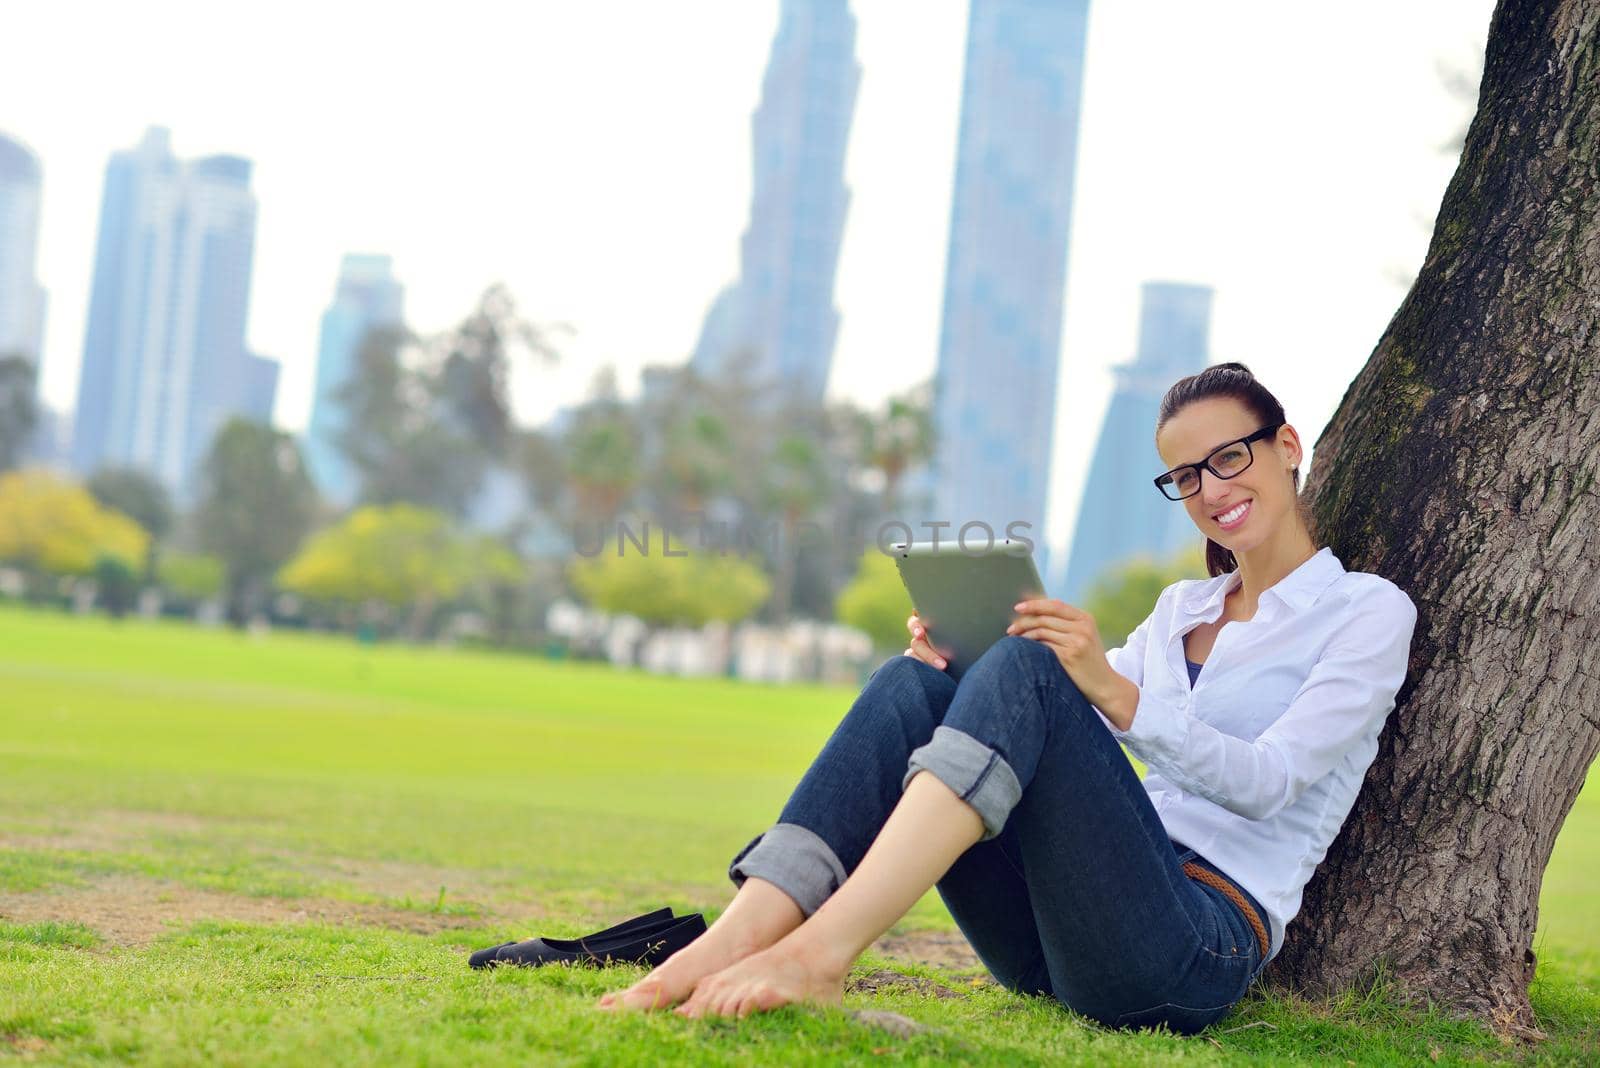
1461, 464
783, 581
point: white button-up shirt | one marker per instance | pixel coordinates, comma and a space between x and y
1258, 765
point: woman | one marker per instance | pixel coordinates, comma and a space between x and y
1134, 903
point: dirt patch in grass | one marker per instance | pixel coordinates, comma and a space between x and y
886, 979
24, 1046
128, 911
942, 949
133, 910
106, 830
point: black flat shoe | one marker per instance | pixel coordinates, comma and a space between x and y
482, 957
649, 947
625, 930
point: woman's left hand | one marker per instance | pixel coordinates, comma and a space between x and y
1071, 633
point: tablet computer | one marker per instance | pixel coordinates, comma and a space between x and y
964, 596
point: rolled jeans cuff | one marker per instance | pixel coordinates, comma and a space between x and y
978, 775
795, 860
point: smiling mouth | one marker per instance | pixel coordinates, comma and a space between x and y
1238, 511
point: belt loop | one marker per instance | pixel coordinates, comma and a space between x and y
1211, 878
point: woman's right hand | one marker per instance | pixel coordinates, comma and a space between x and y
919, 647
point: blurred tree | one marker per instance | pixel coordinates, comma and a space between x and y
472, 382
426, 419
795, 483
19, 411
900, 439
398, 557
116, 585
876, 602
697, 460
256, 505
602, 453
49, 526
139, 496
687, 442
392, 437
689, 590
1124, 595
537, 455
190, 577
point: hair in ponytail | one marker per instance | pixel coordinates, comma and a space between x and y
1226, 380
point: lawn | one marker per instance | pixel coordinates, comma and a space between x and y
224, 849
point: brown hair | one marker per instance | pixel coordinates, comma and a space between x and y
1227, 380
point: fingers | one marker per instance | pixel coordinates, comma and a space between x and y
920, 648
1027, 624
1050, 606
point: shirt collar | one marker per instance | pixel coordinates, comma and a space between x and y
1299, 589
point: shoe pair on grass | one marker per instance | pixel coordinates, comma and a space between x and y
648, 940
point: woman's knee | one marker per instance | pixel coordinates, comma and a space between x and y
904, 669
1017, 653
1019, 650
908, 687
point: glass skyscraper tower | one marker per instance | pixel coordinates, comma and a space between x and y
21, 296
779, 316
1006, 268
365, 297
164, 358
1128, 516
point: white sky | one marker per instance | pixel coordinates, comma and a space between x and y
595, 156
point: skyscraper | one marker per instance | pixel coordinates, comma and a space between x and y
779, 314
164, 357
21, 296
1123, 514
366, 296
1006, 268
258, 391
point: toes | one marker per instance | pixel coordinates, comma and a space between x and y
698, 1002
649, 994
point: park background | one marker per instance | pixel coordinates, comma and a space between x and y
415, 737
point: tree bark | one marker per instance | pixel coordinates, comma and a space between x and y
1461, 465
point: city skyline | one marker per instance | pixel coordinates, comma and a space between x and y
1000, 355
165, 361
1174, 341
22, 298
366, 295
1199, 174
779, 312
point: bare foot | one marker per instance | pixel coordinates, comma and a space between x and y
674, 979
758, 916
780, 975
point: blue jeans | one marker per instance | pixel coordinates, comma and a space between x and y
1075, 889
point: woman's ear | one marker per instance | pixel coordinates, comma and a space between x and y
1292, 447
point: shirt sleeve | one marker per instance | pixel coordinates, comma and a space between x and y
1348, 694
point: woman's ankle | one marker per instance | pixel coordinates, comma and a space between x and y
758, 916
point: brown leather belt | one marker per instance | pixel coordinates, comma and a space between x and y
1211, 878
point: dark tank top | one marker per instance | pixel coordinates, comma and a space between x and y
1194, 671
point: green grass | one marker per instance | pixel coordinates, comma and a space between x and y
335, 825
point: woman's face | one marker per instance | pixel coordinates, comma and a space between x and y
1267, 485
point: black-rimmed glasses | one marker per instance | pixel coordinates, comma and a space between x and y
1226, 461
